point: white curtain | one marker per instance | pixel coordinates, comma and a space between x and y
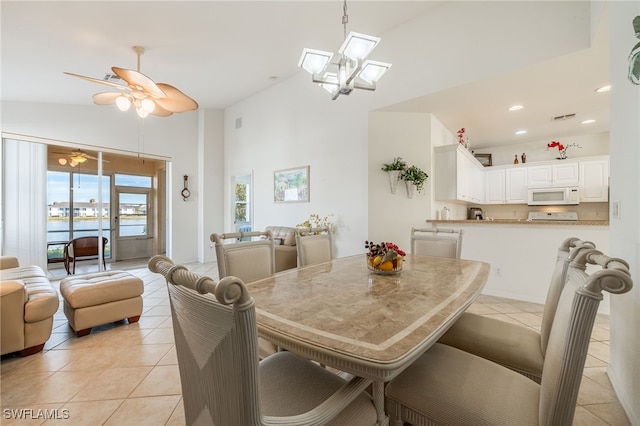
24, 201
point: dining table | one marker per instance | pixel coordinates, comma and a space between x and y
345, 316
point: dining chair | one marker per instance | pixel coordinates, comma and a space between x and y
313, 245
249, 260
449, 386
215, 331
513, 346
437, 242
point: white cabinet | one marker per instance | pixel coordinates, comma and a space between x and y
458, 175
516, 185
557, 174
494, 186
594, 180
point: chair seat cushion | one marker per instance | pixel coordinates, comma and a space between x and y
511, 345
81, 291
450, 386
291, 385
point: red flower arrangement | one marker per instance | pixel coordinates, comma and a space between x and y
461, 136
561, 148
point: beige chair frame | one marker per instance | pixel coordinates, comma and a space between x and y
231, 257
440, 239
450, 386
516, 347
314, 245
216, 338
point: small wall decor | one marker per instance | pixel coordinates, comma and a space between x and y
484, 159
185, 192
291, 185
634, 56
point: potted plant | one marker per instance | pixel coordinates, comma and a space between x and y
415, 179
394, 170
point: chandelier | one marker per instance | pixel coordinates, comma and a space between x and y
352, 71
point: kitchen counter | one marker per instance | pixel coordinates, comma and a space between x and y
523, 222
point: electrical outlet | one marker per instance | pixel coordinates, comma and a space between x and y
615, 209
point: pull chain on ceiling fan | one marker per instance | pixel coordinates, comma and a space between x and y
144, 94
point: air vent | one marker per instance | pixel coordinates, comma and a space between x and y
563, 117
111, 77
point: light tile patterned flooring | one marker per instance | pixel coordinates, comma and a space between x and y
127, 374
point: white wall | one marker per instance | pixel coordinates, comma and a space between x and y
175, 138
624, 365
397, 135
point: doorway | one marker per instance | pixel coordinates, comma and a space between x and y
133, 222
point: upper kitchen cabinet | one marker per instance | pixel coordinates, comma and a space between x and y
564, 173
458, 175
594, 179
506, 185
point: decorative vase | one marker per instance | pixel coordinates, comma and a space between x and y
563, 156
393, 179
411, 189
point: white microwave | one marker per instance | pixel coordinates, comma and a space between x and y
560, 196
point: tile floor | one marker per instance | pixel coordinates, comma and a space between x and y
127, 374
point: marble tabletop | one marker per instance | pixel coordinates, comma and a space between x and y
346, 316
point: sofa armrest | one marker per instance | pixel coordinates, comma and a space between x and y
7, 262
13, 296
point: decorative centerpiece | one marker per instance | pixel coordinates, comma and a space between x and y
562, 149
384, 258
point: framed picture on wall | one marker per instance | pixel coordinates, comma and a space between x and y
484, 159
291, 185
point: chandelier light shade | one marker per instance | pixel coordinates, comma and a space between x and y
352, 71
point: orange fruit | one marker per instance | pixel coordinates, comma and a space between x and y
386, 266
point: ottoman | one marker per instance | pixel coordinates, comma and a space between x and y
101, 298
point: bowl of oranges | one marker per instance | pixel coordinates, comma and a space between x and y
384, 258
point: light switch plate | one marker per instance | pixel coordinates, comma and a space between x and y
615, 209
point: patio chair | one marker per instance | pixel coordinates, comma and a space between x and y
516, 347
450, 386
313, 245
82, 248
223, 383
437, 242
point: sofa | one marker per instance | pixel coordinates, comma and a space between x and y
28, 302
286, 253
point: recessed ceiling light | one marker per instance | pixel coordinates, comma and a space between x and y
515, 108
521, 132
589, 121
603, 89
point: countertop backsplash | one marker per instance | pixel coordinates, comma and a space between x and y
586, 211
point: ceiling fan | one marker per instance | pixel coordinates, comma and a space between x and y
144, 94
75, 158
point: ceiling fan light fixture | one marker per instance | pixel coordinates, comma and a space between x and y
148, 105
62, 161
78, 159
123, 102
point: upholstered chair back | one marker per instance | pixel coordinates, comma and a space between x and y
247, 260
571, 331
313, 245
567, 251
437, 242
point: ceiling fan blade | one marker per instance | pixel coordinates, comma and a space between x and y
175, 101
106, 98
159, 111
138, 81
95, 80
